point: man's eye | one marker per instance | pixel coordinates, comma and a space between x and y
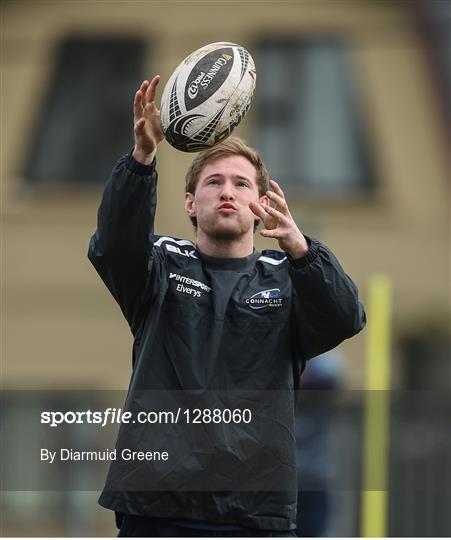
213, 181
242, 183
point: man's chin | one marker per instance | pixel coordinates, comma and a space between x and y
224, 234
227, 232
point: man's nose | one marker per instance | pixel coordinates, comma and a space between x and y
227, 192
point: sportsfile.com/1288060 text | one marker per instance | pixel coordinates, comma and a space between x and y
181, 415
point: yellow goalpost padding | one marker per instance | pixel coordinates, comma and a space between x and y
374, 500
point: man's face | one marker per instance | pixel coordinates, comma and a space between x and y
224, 190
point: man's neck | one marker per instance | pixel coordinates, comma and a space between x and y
214, 247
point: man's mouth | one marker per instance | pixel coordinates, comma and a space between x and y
227, 208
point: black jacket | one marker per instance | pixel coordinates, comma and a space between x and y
213, 333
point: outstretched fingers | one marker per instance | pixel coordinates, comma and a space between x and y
277, 196
144, 85
276, 214
152, 88
258, 210
271, 217
277, 188
138, 104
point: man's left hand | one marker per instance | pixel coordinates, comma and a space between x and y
279, 223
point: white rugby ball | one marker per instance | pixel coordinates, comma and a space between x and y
207, 96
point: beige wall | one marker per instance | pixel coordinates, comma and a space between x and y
61, 327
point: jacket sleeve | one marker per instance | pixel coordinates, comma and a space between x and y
326, 303
121, 247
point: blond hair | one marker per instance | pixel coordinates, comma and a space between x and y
232, 146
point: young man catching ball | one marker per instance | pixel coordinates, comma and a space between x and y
221, 321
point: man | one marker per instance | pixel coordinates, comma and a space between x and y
216, 322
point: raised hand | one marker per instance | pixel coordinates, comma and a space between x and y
279, 223
146, 119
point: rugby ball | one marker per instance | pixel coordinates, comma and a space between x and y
207, 96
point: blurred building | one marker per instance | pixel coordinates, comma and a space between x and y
351, 113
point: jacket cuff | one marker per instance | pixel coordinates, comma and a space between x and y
140, 168
309, 257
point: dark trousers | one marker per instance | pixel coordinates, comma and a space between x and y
138, 526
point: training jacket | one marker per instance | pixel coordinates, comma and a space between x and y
219, 333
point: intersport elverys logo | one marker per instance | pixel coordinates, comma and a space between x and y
269, 298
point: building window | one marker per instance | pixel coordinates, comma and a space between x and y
308, 124
86, 119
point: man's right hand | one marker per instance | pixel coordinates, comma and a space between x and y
146, 119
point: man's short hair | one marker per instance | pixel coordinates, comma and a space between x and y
232, 146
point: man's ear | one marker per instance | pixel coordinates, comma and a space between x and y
264, 200
190, 205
